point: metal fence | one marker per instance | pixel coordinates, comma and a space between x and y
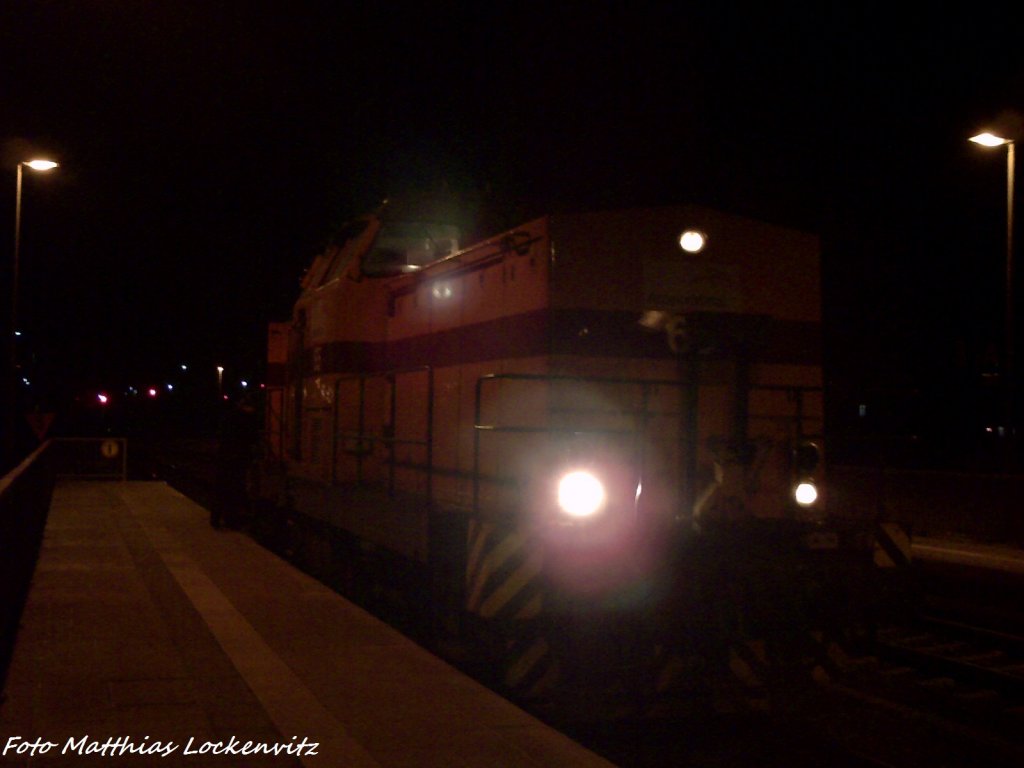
24, 501
90, 458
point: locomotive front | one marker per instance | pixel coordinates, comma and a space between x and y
594, 439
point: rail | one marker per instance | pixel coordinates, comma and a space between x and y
978, 664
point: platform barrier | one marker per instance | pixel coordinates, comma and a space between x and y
91, 458
24, 499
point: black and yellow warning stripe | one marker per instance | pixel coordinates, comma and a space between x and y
503, 574
892, 545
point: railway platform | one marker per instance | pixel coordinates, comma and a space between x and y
949, 551
149, 638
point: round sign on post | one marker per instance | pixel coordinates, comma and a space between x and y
109, 449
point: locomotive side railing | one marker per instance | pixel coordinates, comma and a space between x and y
641, 416
802, 419
364, 438
802, 415
273, 422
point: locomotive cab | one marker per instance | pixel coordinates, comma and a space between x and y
406, 246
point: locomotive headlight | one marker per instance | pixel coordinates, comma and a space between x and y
581, 494
806, 493
693, 241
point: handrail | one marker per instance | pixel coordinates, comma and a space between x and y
642, 415
108, 450
25, 494
8, 479
360, 435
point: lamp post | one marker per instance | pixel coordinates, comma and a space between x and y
991, 140
35, 165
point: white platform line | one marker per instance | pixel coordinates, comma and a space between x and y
292, 707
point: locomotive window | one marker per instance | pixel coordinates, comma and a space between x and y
406, 246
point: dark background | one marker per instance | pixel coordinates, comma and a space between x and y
208, 149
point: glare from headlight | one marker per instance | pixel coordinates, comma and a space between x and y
580, 494
805, 494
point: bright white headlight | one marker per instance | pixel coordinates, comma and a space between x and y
693, 241
805, 494
580, 494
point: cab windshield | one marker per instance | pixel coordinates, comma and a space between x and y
405, 246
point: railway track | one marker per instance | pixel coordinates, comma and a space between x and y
934, 692
985, 660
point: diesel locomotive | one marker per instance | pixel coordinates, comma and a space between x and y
591, 442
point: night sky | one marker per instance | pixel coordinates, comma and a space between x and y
208, 149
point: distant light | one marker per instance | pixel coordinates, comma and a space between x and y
26, 381
170, 387
184, 367
225, 397
693, 241
102, 398
244, 383
442, 290
132, 391
989, 140
41, 165
151, 391
17, 333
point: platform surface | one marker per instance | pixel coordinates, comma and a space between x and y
149, 638
993, 557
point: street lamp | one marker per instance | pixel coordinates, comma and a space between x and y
991, 140
35, 165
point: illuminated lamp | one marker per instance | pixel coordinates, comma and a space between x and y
442, 290
806, 493
580, 494
693, 241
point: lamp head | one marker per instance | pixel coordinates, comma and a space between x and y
990, 140
40, 164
